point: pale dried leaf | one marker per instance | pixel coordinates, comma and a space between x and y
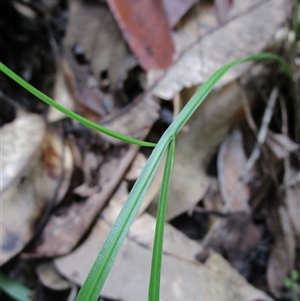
292, 200
50, 278
134, 121
283, 254
20, 209
175, 9
52, 175
92, 26
281, 145
231, 165
212, 200
180, 278
136, 168
61, 94
247, 32
63, 231
20, 146
195, 146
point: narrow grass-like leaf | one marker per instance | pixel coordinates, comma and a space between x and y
14, 289
98, 274
154, 286
69, 113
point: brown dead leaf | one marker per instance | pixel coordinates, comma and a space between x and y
281, 145
145, 28
231, 164
283, 254
65, 229
180, 278
199, 56
196, 144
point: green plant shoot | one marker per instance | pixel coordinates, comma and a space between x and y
95, 280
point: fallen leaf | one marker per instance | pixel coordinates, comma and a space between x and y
283, 254
91, 164
64, 230
145, 28
231, 165
281, 145
20, 209
61, 94
136, 167
52, 175
180, 278
92, 27
21, 143
195, 146
50, 278
135, 120
292, 196
176, 9
196, 56
236, 239
212, 200
222, 9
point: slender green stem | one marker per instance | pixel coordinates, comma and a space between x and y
69, 113
154, 286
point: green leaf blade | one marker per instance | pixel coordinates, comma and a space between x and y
154, 286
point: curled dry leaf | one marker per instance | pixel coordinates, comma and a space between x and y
180, 278
145, 28
231, 165
199, 56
